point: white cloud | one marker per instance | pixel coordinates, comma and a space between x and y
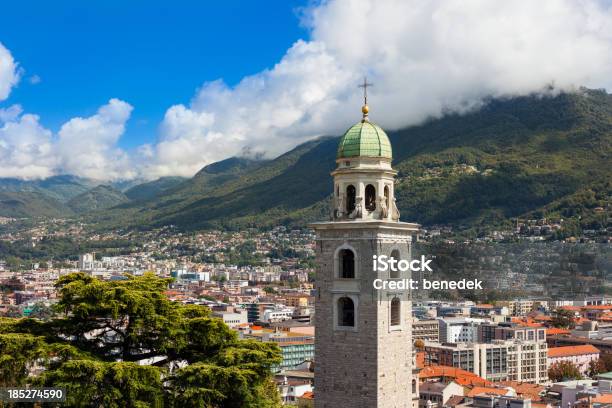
9, 73
85, 147
11, 113
425, 58
88, 146
34, 79
26, 149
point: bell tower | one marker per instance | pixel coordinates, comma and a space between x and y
363, 336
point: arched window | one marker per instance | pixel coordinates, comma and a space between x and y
414, 387
395, 312
346, 312
370, 197
350, 198
394, 274
347, 264
387, 196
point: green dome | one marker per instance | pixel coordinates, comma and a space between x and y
364, 139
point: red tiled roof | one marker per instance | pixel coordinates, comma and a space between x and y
526, 389
461, 377
307, 395
555, 330
568, 351
420, 359
597, 307
486, 390
470, 382
571, 308
603, 399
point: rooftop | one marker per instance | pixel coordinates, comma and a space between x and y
567, 351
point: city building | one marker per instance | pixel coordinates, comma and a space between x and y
233, 318
86, 262
580, 356
426, 330
437, 394
500, 360
459, 329
489, 361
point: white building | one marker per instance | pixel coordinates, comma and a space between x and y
459, 330
86, 262
232, 319
277, 315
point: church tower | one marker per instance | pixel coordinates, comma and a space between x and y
363, 340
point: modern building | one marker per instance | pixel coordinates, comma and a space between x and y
488, 332
233, 318
459, 329
255, 311
277, 315
528, 361
363, 347
489, 361
428, 330
501, 360
296, 352
296, 348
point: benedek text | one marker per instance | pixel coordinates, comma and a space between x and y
407, 284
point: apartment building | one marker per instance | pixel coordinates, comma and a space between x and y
459, 329
489, 361
500, 360
426, 330
528, 361
508, 331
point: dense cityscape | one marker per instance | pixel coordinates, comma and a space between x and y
547, 349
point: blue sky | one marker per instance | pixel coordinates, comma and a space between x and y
149, 54
148, 89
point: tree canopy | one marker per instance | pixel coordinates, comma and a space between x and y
124, 343
564, 371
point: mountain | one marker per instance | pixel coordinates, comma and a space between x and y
151, 189
98, 198
525, 156
30, 205
61, 188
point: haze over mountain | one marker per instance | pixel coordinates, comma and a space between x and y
66, 195
98, 198
61, 188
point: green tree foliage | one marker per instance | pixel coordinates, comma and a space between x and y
563, 319
125, 344
602, 365
563, 371
597, 367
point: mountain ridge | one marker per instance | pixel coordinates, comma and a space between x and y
514, 157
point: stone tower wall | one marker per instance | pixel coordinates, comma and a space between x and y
370, 365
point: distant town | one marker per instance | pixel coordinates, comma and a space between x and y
517, 350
